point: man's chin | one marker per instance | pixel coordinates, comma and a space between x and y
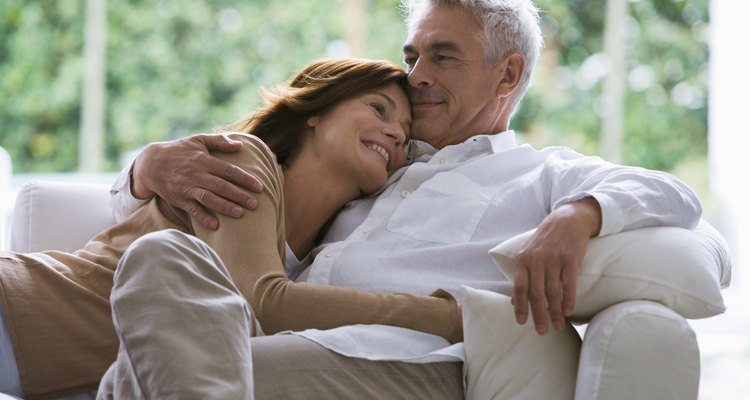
425, 131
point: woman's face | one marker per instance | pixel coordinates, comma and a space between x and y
366, 136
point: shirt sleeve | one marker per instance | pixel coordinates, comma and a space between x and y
121, 201
252, 247
629, 197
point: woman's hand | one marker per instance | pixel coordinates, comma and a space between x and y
187, 176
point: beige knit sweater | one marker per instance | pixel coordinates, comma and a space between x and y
57, 305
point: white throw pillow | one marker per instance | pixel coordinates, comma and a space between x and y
505, 360
680, 268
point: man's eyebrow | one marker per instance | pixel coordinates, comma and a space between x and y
434, 47
439, 46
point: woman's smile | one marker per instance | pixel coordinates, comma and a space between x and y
380, 149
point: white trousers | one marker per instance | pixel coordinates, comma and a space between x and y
184, 329
185, 332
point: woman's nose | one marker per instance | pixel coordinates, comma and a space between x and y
395, 133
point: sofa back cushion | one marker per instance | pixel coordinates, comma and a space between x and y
58, 215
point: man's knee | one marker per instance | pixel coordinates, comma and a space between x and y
173, 259
165, 242
167, 251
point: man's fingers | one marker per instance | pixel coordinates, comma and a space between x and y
554, 299
218, 192
569, 281
241, 177
212, 201
222, 143
226, 173
199, 214
520, 296
538, 301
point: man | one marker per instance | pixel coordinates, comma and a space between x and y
471, 186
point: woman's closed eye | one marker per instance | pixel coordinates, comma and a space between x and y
379, 108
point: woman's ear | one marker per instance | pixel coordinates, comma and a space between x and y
312, 122
511, 70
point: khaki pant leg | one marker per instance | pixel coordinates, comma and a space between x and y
183, 326
290, 367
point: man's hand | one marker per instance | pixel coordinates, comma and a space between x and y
185, 175
548, 264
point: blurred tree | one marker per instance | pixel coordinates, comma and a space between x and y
40, 75
175, 67
666, 67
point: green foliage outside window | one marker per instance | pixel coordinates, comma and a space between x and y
176, 67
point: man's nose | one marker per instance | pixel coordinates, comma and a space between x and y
420, 74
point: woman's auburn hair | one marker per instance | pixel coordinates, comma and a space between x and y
282, 121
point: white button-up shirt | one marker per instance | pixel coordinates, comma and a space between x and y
432, 226
435, 222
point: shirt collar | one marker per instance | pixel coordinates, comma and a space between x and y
423, 151
497, 142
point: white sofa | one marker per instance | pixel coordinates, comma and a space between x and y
6, 172
634, 349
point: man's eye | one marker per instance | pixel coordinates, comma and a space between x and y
441, 57
409, 61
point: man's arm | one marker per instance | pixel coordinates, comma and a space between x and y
187, 176
590, 197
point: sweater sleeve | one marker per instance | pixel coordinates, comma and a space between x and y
252, 247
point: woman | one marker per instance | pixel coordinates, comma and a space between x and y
334, 133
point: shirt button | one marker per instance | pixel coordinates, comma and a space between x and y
328, 255
443, 161
365, 231
404, 193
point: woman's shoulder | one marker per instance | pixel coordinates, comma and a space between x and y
255, 157
254, 151
253, 144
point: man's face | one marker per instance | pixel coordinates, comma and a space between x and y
453, 91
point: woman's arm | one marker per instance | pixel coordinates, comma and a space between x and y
251, 247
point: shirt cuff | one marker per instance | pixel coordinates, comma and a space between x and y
121, 200
613, 218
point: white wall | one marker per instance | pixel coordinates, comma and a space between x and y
729, 133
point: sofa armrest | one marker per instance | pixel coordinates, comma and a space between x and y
638, 350
58, 215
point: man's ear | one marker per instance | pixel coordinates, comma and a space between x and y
511, 70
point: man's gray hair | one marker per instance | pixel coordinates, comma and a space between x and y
506, 25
